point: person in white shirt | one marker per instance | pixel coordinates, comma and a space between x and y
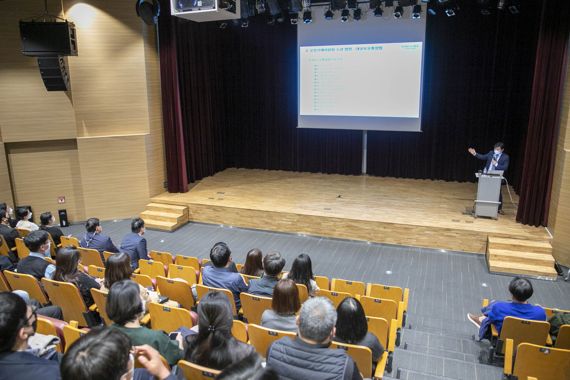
24, 215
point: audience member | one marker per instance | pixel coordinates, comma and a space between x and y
95, 239
10, 234
218, 274
214, 346
308, 356
24, 215
273, 264
125, 308
521, 290
48, 224
17, 324
106, 353
10, 212
66, 270
250, 368
134, 244
284, 306
352, 327
253, 263
302, 273
35, 264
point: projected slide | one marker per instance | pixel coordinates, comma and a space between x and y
366, 80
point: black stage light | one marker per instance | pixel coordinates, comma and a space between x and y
450, 12
307, 17
329, 15
244, 23
344, 15
294, 18
148, 11
417, 11
378, 12
398, 11
357, 14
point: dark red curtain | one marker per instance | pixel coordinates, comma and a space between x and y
175, 147
539, 158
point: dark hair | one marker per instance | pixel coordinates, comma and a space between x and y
13, 310
21, 213
36, 239
220, 254
45, 218
92, 224
136, 225
285, 298
117, 268
3, 206
3, 214
351, 324
499, 145
124, 303
253, 263
250, 368
103, 353
273, 263
302, 271
521, 289
66, 262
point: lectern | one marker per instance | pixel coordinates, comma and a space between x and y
488, 191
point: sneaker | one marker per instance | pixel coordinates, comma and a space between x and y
474, 319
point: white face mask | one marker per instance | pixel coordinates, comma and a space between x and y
47, 252
497, 151
29, 216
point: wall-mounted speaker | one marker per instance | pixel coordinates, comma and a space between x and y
54, 73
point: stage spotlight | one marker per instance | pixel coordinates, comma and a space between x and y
450, 12
344, 15
148, 11
307, 17
294, 18
398, 11
514, 7
223, 25
329, 14
432, 12
501, 5
417, 11
244, 23
378, 12
357, 14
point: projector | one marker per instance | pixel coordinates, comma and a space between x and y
206, 10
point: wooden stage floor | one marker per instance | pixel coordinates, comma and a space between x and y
421, 213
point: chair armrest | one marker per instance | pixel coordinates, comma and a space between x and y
406, 298
400, 314
494, 331
381, 366
509, 352
485, 302
146, 319
93, 307
392, 336
13, 249
548, 340
137, 271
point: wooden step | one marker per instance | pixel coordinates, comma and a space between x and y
164, 216
547, 272
520, 257
162, 225
519, 245
163, 207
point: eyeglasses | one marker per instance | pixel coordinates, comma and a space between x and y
34, 323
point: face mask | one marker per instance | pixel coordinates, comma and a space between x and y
29, 216
497, 151
47, 252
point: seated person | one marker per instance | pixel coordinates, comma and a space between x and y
273, 264
352, 327
253, 263
10, 234
66, 270
307, 356
95, 239
48, 224
302, 273
24, 215
17, 324
218, 275
521, 290
51, 311
134, 244
39, 245
10, 212
125, 308
107, 353
284, 305
214, 346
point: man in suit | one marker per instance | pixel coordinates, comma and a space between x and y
95, 239
495, 159
134, 244
10, 234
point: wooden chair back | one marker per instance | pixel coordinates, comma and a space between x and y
261, 337
23, 232
67, 297
152, 268
21, 248
563, 339
52, 246
71, 333
551, 310
107, 254
303, 292
379, 308
239, 267
352, 287
95, 271
247, 277
165, 258
100, 298
386, 292
201, 290
91, 256
197, 372
187, 261
168, 319
253, 307
380, 328
335, 297
204, 261
4, 249
46, 327
323, 282
361, 355
69, 241
239, 331
4, 285
27, 282
183, 272
524, 331
143, 280
543, 363
177, 290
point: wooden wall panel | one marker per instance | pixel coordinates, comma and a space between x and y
41, 172
5, 182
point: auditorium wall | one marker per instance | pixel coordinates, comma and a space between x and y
100, 145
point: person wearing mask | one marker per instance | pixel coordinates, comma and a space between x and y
66, 270
95, 239
284, 306
35, 264
8, 233
273, 264
48, 224
134, 244
24, 215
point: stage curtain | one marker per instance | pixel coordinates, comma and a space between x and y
175, 146
544, 118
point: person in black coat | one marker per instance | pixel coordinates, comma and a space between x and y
48, 224
67, 261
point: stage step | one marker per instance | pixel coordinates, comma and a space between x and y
164, 217
520, 245
521, 257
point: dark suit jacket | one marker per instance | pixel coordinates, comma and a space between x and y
99, 242
503, 163
55, 232
135, 246
25, 366
10, 234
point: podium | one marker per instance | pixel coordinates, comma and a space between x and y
488, 191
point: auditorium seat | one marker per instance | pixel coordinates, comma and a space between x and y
52, 247
201, 290
23, 232
100, 298
353, 287
196, 372
335, 297
532, 360
152, 268
204, 261
386, 334
52, 326
21, 248
185, 273
177, 290
563, 339
67, 297
168, 319
188, 261
323, 282
549, 311
239, 331
247, 277
95, 271
4, 286
362, 356
91, 257
164, 257
4, 249
69, 241
303, 292
28, 283
107, 254
143, 280
72, 332
393, 293
261, 337
253, 307
387, 309
239, 267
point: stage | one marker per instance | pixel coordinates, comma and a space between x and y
422, 213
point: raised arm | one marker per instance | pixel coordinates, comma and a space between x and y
478, 155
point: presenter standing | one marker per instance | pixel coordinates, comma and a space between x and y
496, 159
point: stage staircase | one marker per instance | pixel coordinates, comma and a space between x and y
520, 257
164, 217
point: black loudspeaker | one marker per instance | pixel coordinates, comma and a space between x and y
48, 39
63, 222
54, 73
